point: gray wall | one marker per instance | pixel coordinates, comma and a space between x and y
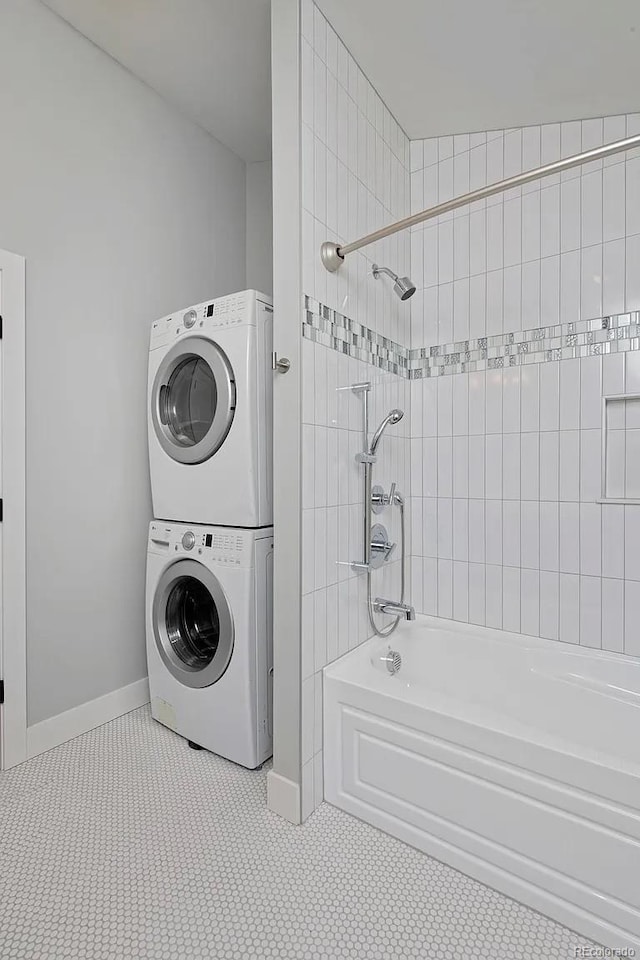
259, 227
124, 211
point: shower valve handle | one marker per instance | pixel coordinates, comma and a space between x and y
380, 499
382, 549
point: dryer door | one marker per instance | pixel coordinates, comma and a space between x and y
193, 400
192, 624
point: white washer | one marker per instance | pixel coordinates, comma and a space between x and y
210, 412
209, 636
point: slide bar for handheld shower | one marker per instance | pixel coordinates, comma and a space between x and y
333, 254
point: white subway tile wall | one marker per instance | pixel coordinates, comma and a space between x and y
355, 178
532, 549
559, 249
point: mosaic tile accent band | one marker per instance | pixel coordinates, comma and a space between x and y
564, 341
334, 330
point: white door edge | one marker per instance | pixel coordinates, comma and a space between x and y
13, 724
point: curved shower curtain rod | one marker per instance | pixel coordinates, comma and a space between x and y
332, 254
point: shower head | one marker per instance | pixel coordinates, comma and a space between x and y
402, 286
392, 417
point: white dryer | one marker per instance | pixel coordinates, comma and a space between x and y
209, 636
210, 412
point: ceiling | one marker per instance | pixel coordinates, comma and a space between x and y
455, 66
442, 66
211, 58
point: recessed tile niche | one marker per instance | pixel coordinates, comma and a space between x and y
621, 448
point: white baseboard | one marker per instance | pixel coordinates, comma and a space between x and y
283, 797
72, 723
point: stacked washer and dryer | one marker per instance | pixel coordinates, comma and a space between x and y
210, 550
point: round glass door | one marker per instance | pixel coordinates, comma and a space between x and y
189, 401
193, 624
193, 400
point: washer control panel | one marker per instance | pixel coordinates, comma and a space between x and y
228, 546
224, 547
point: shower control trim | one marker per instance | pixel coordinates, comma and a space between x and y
380, 499
381, 546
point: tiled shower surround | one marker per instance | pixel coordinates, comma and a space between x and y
506, 460
517, 329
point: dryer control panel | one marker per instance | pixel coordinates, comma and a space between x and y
246, 307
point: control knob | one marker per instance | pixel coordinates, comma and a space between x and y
189, 540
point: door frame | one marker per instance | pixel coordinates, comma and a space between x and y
13, 660
284, 782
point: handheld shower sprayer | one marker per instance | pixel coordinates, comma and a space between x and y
392, 417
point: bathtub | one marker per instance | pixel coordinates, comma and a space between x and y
511, 758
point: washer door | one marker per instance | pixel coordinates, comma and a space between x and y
192, 624
193, 400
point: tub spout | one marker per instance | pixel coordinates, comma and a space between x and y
394, 609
